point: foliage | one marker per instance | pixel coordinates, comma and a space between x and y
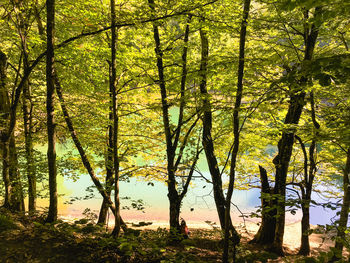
6, 223
274, 66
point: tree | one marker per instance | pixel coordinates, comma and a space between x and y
208, 143
10, 173
115, 120
172, 138
50, 84
236, 125
285, 144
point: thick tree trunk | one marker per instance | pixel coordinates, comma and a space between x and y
13, 189
266, 232
51, 151
174, 214
344, 213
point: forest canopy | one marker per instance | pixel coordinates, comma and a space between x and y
257, 90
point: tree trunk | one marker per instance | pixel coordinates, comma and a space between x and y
51, 151
236, 128
109, 155
29, 150
27, 108
266, 232
281, 161
306, 190
17, 199
308, 181
13, 188
344, 213
174, 214
112, 84
173, 195
208, 143
285, 144
5, 174
109, 170
4, 115
82, 153
305, 228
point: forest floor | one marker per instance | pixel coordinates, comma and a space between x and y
28, 239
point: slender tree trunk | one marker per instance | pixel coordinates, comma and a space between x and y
266, 232
207, 140
285, 144
236, 130
27, 108
17, 199
109, 166
281, 161
305, 226
308, 181
4, 114
82, 153
28, 133
51, 151
5, 174
344, 213
174, 197
112, 83
306, 190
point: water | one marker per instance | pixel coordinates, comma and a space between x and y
198, 205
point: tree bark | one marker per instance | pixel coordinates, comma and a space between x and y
27, 107
306, 189
112, 84
308, 181
29, 150
236, 128
51, 151
23, 23
17, 199
4, 115
266, 232
109, 160
82, 153
174, 197
285, 144
344, 213
207, 140
14, 200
